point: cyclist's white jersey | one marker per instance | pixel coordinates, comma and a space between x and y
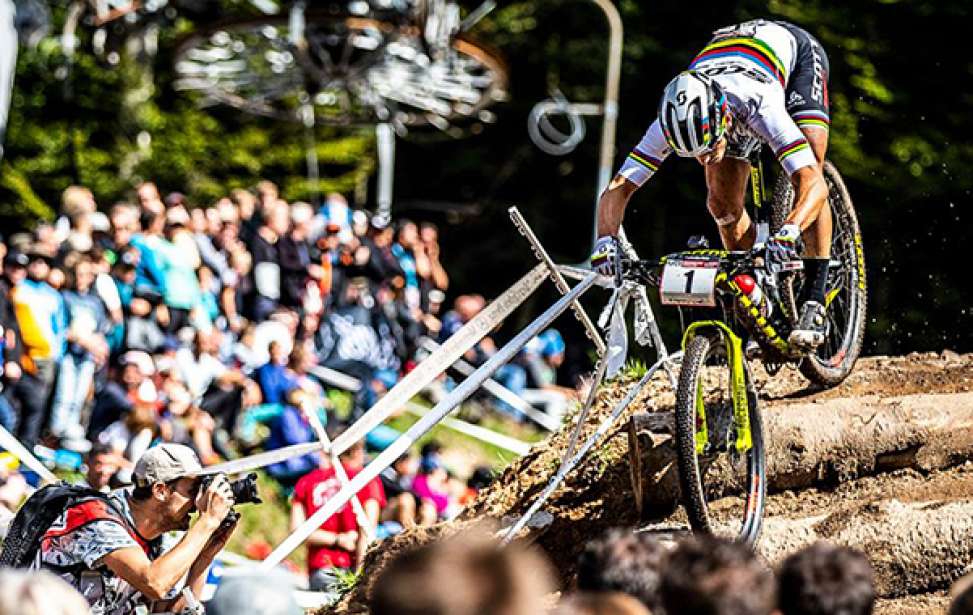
752, 62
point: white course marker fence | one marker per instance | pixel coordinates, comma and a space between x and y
18, 450
427, 371
427, 422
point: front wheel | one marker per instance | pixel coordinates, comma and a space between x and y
846, 299
723, 489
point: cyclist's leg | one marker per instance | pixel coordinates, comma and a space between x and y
807, 103
726, 185
817, 237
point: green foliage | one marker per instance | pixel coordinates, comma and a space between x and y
634, 369
345, 580
899, 90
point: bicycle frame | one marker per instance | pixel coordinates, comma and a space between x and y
758, 190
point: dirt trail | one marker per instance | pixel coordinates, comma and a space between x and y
850, 507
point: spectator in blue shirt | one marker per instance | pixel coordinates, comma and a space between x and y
87, 348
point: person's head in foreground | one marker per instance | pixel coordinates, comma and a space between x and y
623, 561
825, 579
706, 575
254, 594
468, 574
600, 603
38, 592
961, 597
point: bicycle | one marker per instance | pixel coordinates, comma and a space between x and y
719, 435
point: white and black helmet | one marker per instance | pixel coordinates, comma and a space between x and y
693, 113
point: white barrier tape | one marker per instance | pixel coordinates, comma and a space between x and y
501, 392
262, 460
18, 450
233, 559
339, 471
335, 378
427, 422
436, 363
518, 447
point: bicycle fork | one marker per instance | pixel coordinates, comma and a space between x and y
738, 387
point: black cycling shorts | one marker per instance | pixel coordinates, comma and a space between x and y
806, 94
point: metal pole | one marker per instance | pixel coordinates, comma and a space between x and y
606, 158
8, 62
559, 282
386, 168
427, 422
311, 151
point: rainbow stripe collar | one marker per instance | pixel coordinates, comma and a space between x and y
751, 49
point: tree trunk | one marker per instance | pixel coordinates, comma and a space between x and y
914, 547
823, 443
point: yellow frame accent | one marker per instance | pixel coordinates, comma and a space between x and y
738, 385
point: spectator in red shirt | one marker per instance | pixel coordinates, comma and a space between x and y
337, 542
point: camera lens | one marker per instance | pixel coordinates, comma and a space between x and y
245, 490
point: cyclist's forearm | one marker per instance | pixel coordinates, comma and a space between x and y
611, 206
811, 194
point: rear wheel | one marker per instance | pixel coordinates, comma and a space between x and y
846, 297
723, 489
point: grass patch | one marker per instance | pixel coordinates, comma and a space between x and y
635, 369
268, 522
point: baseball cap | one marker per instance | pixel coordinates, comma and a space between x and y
177, 216
553, 343
140, 359
166, 462
16, 258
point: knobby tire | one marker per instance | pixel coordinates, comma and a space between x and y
691, 471
830, 364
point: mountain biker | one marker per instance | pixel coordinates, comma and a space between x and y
755, 82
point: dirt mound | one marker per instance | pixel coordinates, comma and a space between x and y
598, 494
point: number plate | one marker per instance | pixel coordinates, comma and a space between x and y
689, 282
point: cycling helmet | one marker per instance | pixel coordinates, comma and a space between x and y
693, 113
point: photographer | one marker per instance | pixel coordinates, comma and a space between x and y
112, 551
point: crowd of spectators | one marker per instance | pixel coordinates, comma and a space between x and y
625, 572
619, 573
157, 320
161, 320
